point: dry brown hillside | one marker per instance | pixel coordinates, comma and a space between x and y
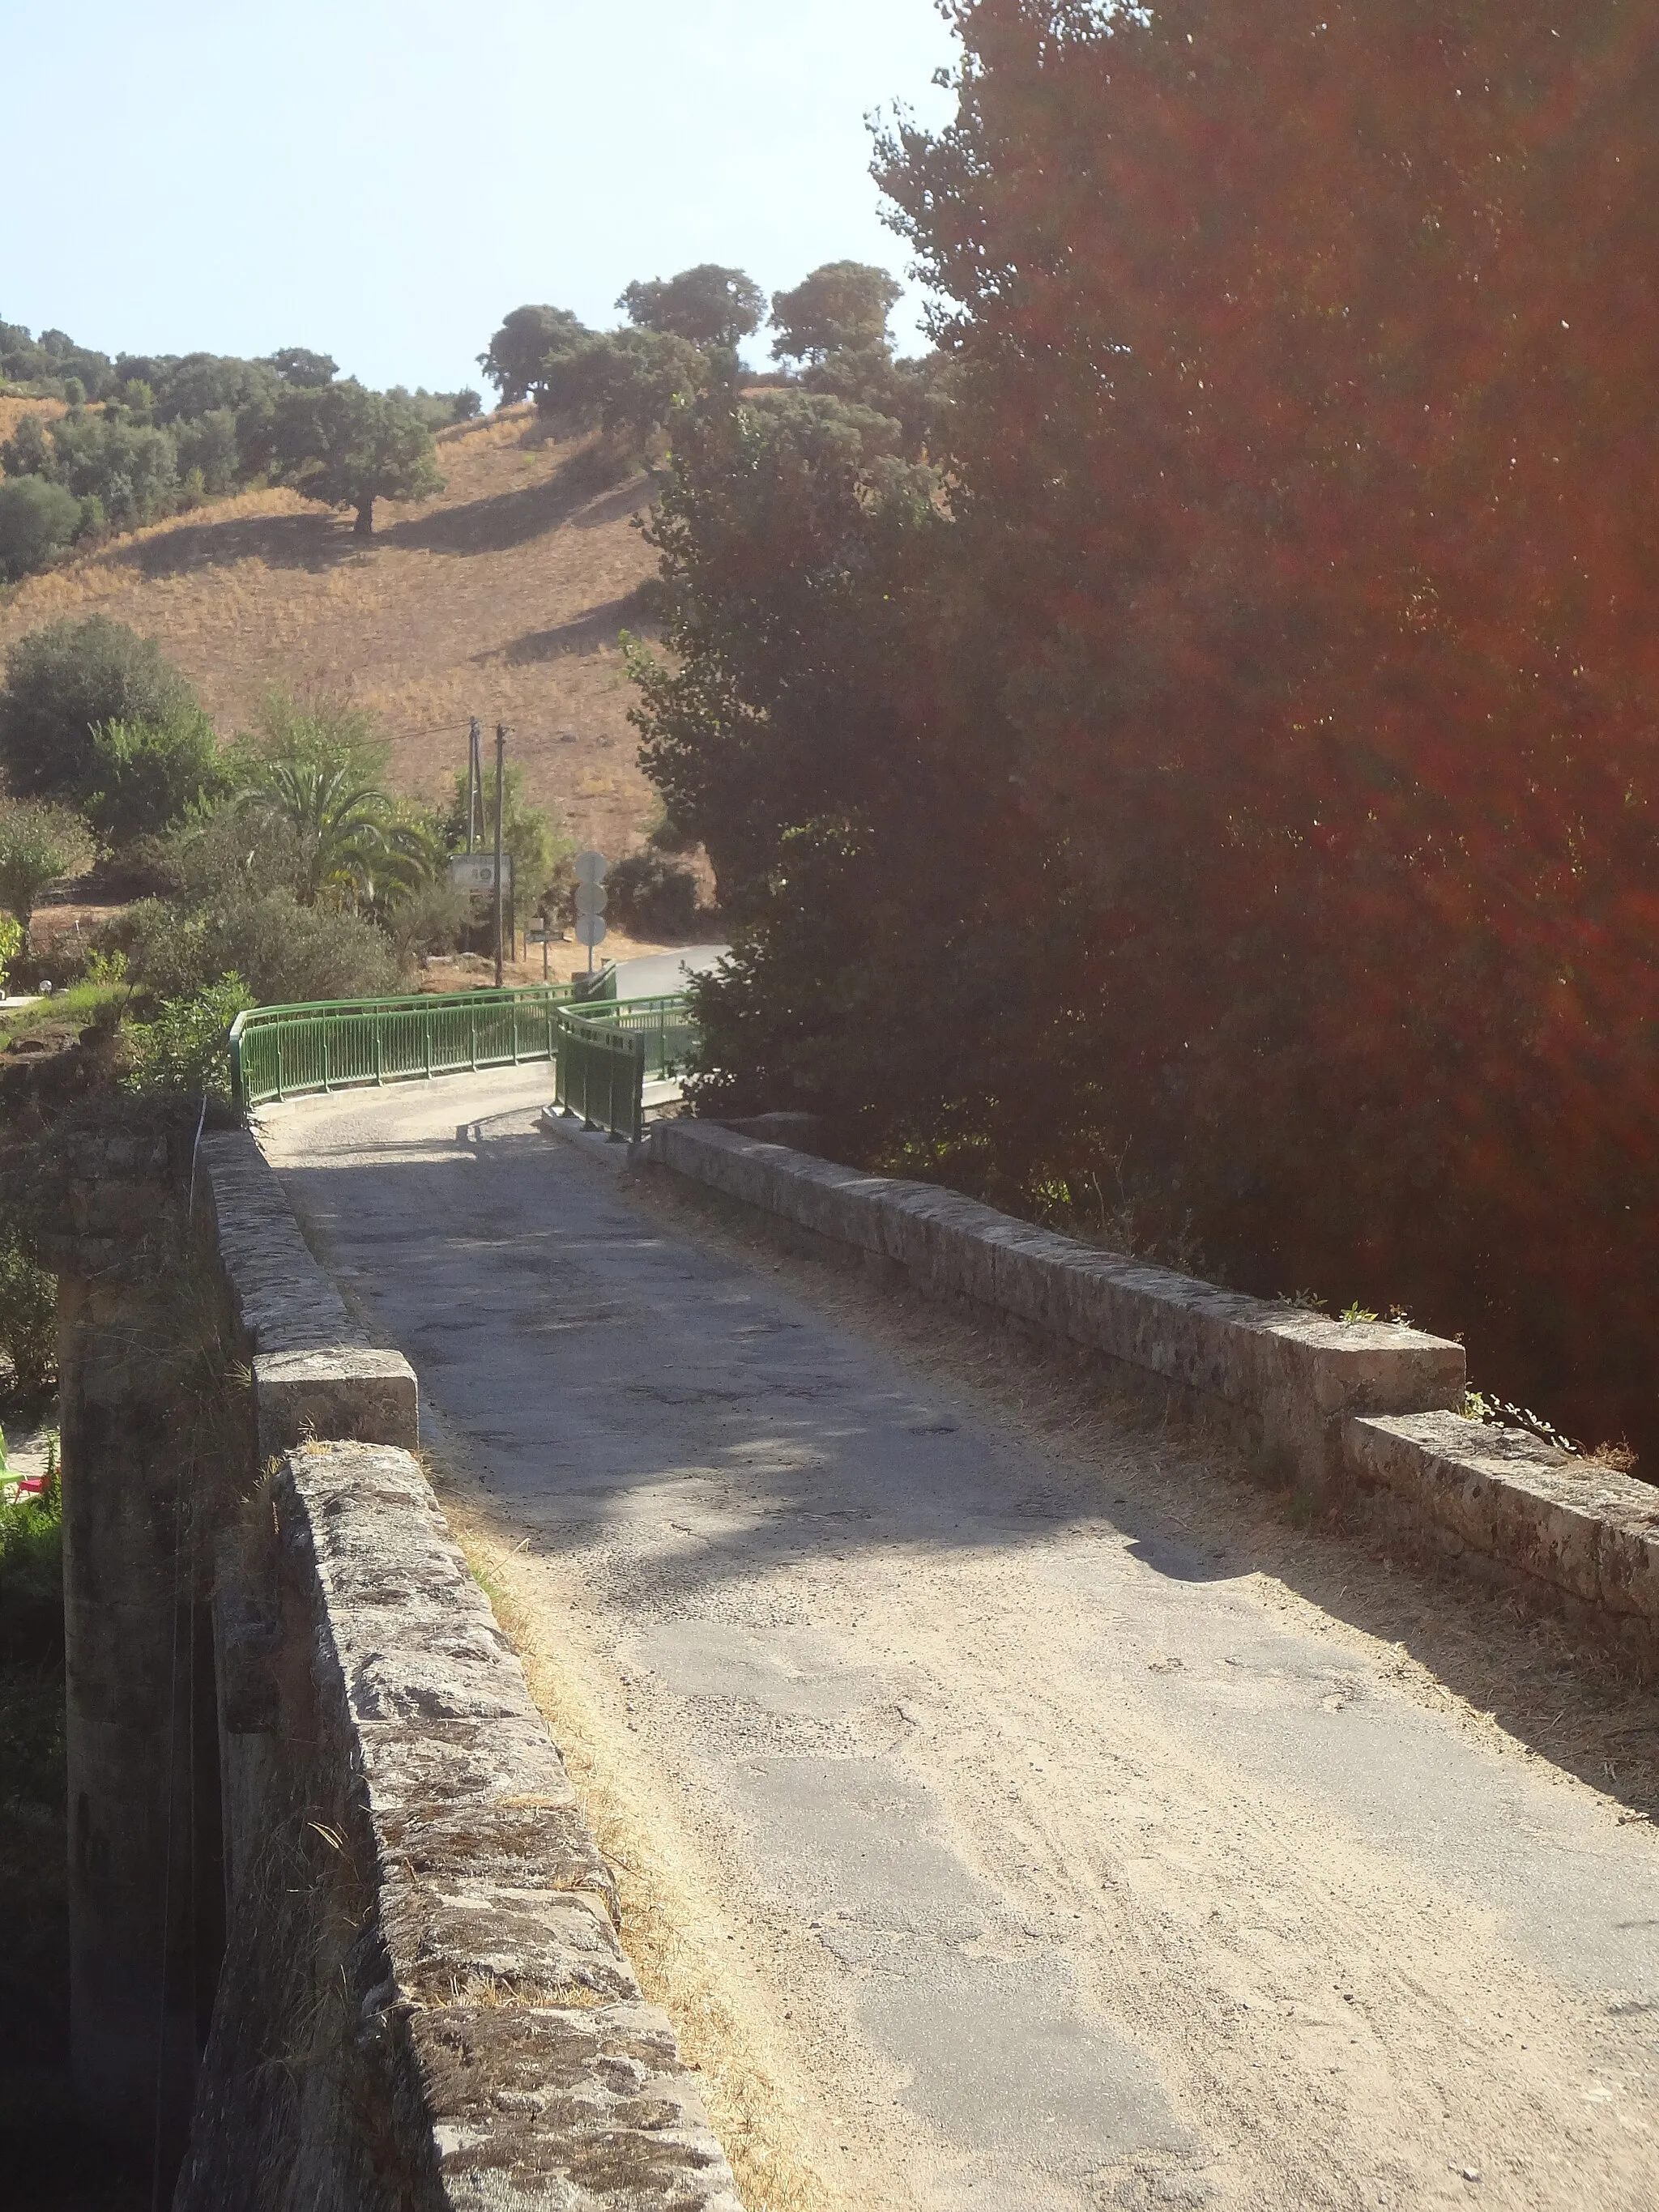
503, 598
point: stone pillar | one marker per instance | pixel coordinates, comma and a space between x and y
145, 1879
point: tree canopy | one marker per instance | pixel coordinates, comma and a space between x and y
842, 306
347, 446
63, 682
1268, 676
707, 306
512, 361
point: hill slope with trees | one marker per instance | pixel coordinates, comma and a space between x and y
502, 596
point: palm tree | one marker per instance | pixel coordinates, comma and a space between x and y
353, 843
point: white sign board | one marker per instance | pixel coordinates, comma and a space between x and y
476, 873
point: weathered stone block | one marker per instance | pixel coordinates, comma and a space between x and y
346, 1392
587, 2110
1582, 1529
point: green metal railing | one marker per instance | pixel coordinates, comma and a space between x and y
608, 1051
283, 1052
604, 1055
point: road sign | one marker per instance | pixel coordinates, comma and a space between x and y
476, 873
590, 898
592, 867
541, 937
589, 929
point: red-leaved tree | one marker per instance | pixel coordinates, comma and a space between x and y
1306, 398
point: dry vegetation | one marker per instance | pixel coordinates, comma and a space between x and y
503, 598
12, 410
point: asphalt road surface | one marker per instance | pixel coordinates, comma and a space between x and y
1072, 1861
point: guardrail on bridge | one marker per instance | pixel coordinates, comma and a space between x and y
603, 1054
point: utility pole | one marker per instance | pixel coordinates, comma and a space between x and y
473, 736
501, 887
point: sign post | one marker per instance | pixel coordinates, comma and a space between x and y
501, 873
592, 869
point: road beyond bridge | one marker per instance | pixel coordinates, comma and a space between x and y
1060, 1854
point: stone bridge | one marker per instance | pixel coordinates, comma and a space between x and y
1036, 1732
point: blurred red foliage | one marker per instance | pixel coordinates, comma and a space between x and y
1307, 386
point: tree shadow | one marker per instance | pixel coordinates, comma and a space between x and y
584, 633
317, 541
516, 518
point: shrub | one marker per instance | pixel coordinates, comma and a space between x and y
430, 919
132, 469
38, 521
64, 680
213, 860
32, 1576
40, 844
282, 950
11, 944
651, 896
208, 451
29, 1318
150, 775
186, 1049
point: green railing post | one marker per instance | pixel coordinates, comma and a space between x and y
379, 1047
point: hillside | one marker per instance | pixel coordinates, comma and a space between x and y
503, 598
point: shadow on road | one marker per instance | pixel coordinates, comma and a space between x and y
610, 1340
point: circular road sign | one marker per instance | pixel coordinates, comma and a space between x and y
592, 867
590, 898
589, 929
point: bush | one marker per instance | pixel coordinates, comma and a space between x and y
31, 1575
38, 521
216, 859
29, 1318
132, 469
282, 950
652, 897
186, 1049
11, 944
64, 680
150, 775
430, 919
207, 451
40, 844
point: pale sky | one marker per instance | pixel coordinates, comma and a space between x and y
382, 180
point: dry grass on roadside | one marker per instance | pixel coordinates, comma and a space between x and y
675, 1963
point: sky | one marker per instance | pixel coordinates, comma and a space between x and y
383, 180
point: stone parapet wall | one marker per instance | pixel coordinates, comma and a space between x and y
1504, 1495
424, 2001
1286, 1379
314, 1371
1334, 1404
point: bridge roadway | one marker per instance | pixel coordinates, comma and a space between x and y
1055, 1851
